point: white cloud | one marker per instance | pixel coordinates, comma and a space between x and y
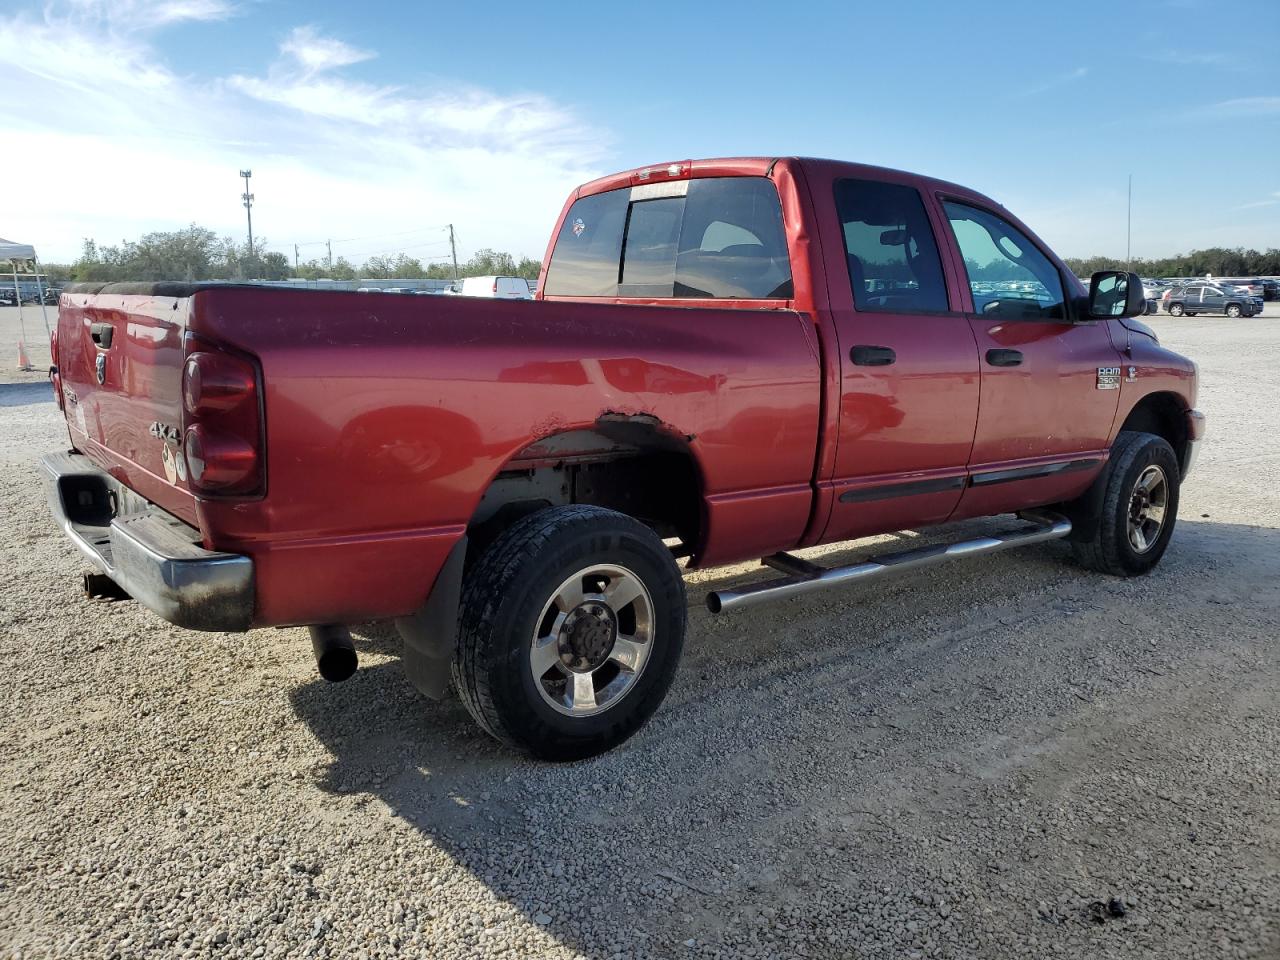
1078, 73
123, 143
1245, 107
1200, 58
315, 53
140, 15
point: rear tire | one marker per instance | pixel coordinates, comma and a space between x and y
1176, 310
1139, 507
570, 631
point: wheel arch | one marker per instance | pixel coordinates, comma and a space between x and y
632, 463
1163, 413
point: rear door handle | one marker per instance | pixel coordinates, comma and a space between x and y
1004, 358
102, 334
867, 356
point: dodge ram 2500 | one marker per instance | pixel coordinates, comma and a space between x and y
726, 360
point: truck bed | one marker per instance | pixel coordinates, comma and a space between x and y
387, 417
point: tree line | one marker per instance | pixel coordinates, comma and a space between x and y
197, 253
1219, 261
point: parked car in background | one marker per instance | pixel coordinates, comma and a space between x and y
1152, 291
1211, 298
1251, 285
1271, 289
501, 288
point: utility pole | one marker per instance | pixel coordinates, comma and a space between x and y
1128, 239
329, 246
295, 257
453, 247
247, 197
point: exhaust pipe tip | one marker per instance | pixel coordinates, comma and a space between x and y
335, 652
713, 603
98, 586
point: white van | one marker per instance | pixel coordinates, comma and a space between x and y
504, 288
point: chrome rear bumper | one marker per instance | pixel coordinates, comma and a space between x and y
155, 557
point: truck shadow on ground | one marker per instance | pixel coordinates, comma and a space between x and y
695, 818
25, 394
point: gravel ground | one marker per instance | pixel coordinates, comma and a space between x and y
1004, 758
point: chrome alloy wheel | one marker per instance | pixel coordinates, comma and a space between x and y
1147, 506
592, 640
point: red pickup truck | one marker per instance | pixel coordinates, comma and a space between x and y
726, 360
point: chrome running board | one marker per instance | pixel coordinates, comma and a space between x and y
805, 577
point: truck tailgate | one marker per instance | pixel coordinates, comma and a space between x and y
120, 359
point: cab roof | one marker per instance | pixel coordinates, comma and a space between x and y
817, 167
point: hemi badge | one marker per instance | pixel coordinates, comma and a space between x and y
1108, 378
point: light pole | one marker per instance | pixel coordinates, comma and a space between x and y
1128, 229
453, 247
248, 206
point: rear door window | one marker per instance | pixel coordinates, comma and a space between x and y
894, 266
711, 238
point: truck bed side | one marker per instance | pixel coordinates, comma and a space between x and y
387, 420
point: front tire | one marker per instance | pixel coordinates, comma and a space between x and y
570, 631
1139, 507
1233, 312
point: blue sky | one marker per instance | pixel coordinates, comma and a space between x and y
375, 123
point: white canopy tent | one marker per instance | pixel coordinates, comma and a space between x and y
19, 256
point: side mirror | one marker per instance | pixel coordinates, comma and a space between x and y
1115, 294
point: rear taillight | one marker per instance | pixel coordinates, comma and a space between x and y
495, 284
222, 437
54, 377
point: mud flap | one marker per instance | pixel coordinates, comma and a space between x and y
1085, 512
430, 634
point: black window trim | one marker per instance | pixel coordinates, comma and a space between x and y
951, 311
1071, 307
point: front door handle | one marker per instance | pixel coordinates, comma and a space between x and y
867, 356
102, 334
1004, 358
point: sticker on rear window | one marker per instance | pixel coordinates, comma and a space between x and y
579, 227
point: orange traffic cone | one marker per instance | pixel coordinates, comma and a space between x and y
24, 362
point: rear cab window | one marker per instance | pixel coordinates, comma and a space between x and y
715, 238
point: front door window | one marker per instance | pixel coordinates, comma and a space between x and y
1008, 276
